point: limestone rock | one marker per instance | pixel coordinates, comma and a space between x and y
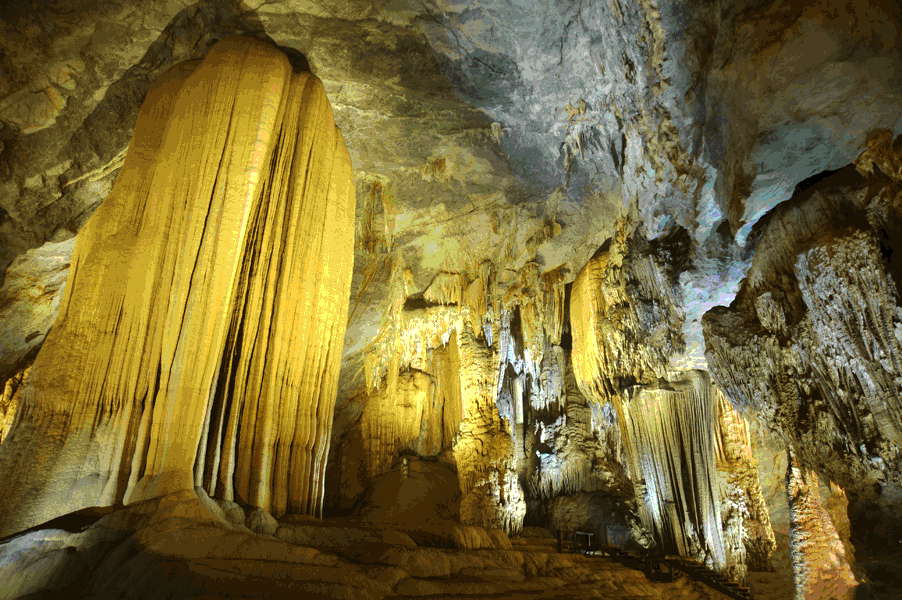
808, 347
232, 512
10, 400
30, 301
336, 537
626, 319
123, 554
419, 562
819, 562
260, 521
612, 520
158, 353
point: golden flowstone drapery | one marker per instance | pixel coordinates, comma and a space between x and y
200, 336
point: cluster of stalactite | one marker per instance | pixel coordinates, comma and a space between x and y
572, 445
450, 406
692, 462
625, 315
200, 335
509, 327
812, 345
419, 321
673, 461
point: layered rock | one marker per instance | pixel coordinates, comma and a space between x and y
199, 338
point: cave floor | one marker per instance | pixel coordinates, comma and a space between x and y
180, 547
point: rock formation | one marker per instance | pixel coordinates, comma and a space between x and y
199, 334
608, 264
809, 346
820, 566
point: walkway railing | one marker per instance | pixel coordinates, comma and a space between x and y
660, 568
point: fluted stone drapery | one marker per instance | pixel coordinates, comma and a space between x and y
199, 339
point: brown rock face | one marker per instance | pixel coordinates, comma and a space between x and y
223, 249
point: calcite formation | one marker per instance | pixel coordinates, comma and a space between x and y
747, 522
672, 458
30, 301
484, 451
811, 345
625, 317
10, 399
819, 563
199, 338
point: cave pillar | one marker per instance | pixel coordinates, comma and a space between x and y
820, 567
199, 336
484, 449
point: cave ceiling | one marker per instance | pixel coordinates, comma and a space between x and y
526, 134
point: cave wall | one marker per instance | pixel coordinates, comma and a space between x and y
808, 346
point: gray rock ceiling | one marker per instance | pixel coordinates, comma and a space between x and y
520, 133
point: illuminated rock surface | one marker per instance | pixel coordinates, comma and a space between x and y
549, 198
219, 250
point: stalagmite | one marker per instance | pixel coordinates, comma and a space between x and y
747, 531
200, 335
819, 564
484, 449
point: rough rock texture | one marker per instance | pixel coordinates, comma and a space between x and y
184, 540
155, 378
29, 302
497, 148
819, 563
746, 512
810, 346
484, 451
612, 519
625, 317
10, 400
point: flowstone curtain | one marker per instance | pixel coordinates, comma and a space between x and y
200, 334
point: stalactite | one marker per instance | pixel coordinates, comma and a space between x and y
200, 334
625, 317
555, 295
671, 426
447, 288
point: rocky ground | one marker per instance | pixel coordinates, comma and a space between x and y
185, 545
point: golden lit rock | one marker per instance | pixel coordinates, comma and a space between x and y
199, 338
819, 563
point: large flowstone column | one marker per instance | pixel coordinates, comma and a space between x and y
199, 338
